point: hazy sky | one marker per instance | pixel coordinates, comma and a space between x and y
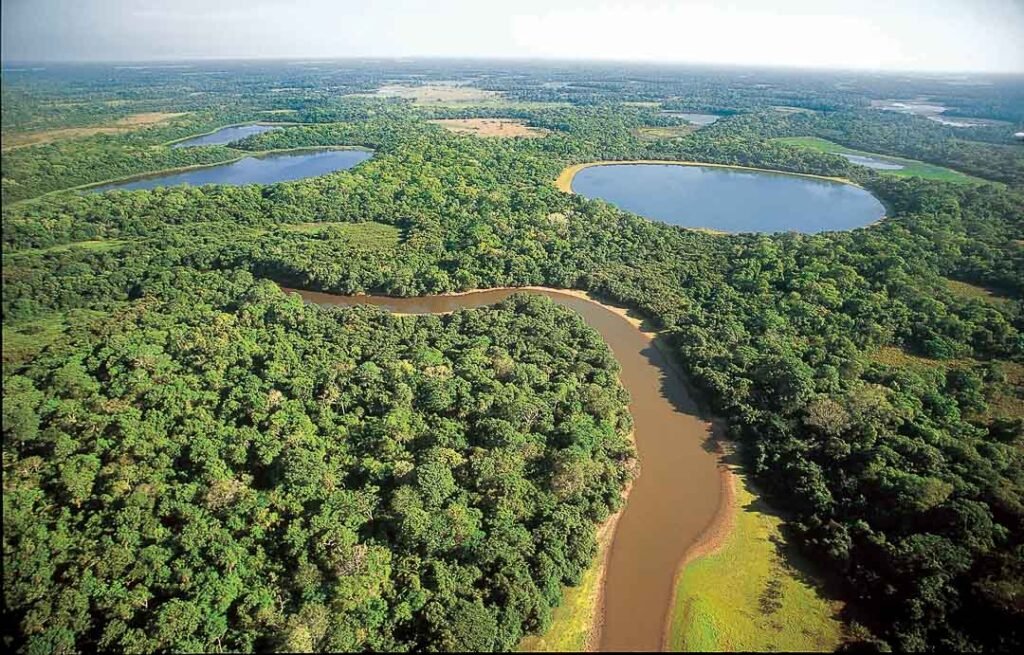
936, 35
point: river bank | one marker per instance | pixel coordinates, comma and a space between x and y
691, 520
678, 492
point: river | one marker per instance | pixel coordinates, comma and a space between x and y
678, 493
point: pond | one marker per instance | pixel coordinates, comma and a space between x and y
277, 167
729, 200
695, 119
871, 162
225, 135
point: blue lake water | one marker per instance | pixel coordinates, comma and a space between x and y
871, 162
699, 119
730, 200
280, 167
226, 135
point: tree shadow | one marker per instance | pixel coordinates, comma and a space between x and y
684, 397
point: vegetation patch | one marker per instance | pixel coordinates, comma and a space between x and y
966, 290
94, 245
898, 357
126, 124
365, 236
439, 94
747, 596
664, 132
24, 340
986, 391
490, 127
911, 167
574, 623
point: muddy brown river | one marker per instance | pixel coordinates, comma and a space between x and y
678, 492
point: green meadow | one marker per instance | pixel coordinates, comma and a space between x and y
911, 167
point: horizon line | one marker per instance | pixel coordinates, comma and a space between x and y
4, 62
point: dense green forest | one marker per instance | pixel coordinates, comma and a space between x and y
230, 466
166, 409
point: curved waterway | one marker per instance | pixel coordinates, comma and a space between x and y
678, 493
226, 135
729, 199
264, 169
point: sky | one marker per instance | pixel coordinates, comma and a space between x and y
922, 35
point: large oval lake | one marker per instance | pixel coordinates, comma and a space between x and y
278, 167
729, 200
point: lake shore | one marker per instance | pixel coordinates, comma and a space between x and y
255, 154
185, 169
564, 180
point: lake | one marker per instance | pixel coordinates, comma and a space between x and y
225, 135
871, 162
729, 200
695, 119
278, 167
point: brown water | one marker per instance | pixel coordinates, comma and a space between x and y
678, 492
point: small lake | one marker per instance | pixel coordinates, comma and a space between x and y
730, 200
871, 162
279, 167
695, 119
225, 135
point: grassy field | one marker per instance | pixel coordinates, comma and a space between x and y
666, 132
572, 622
454, 95
965, 290
911, 167
24, 340
95, 245
490, 127
364, 236
126, 124
1004, 400
432, 94
746, 596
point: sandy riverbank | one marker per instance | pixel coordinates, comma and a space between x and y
672, 502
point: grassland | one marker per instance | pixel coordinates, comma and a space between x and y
746, 595
1003, 400
666, 132
94, 245
433, 94
965, 290
363, 236
455, 95
897, 357
911, 167
574, 623
126, 124
24, 340
490, 127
